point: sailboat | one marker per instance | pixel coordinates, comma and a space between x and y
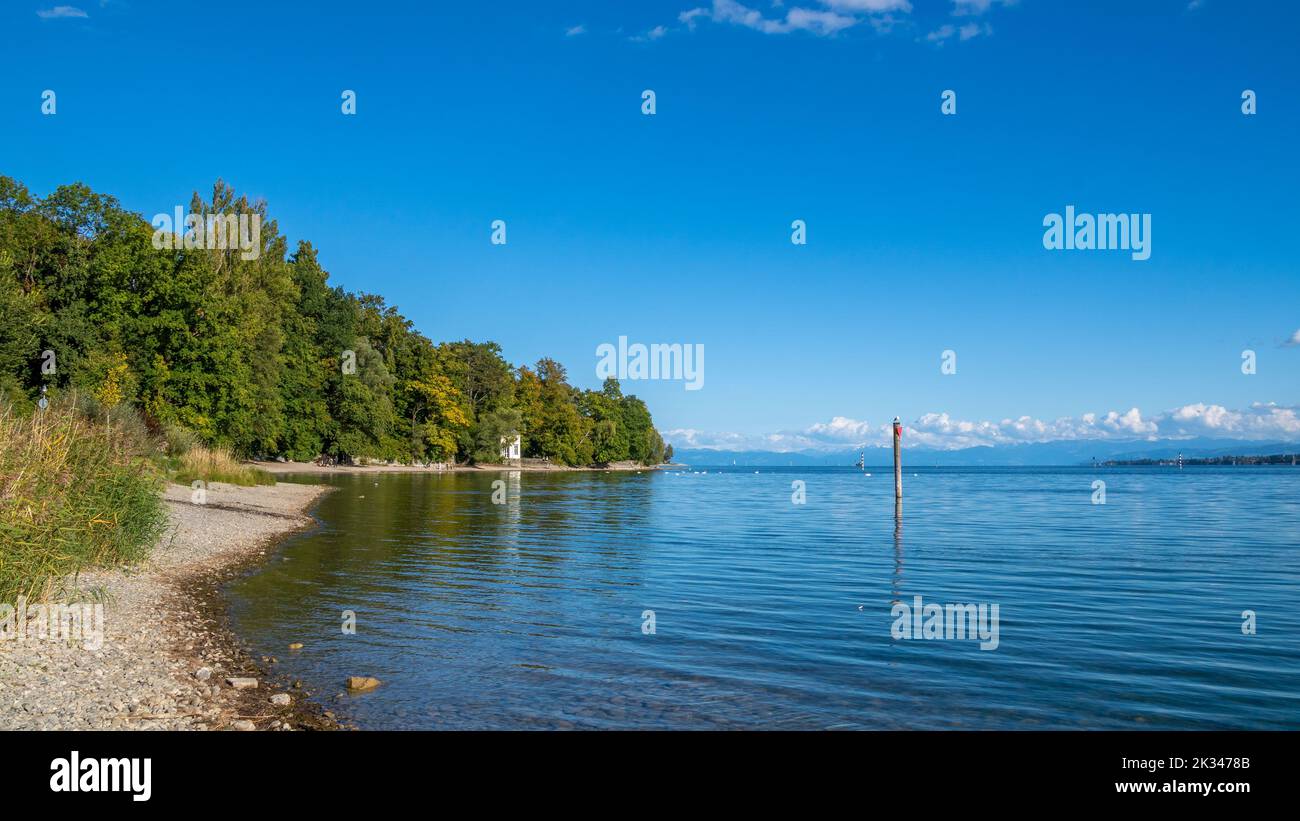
862, 459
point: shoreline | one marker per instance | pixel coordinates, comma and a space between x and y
167, 646
311, 468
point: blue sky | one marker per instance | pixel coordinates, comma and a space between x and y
924, 230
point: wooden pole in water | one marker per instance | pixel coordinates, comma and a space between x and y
898, 460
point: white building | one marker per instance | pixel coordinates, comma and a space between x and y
511, 448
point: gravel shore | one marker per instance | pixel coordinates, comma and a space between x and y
166, 649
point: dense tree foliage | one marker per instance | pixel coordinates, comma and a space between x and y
262, 355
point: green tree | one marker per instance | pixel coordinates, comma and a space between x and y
495, 428
365, 413
247, 353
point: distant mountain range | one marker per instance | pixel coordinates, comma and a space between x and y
1066, 452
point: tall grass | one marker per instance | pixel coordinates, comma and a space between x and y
77, 490
218, 465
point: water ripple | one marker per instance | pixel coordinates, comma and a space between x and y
528, 615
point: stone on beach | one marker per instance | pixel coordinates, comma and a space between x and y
244, 725
297, 645
281, 699
242, 683
359, 684
164, 663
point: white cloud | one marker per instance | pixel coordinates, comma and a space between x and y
575, 31
653, 34
942, 33
940, 431
963, 32
975, 7
833, 16
841, 428
688, 17
1294, 341
1262, 420
836, 15
708, 440
818, 22
1129, 422
874, 6
61, 12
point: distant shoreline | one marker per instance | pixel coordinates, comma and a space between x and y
280, 468
1286, 459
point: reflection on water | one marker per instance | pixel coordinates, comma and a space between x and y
527, 613
898, 553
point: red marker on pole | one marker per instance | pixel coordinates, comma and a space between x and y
898, 459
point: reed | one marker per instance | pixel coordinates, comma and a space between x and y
77, 490
218, 465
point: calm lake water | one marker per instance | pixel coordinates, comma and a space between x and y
769, 614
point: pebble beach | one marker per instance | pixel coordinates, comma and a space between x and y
166, 659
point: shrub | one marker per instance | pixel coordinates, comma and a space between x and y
76, 491
180, 440
218, 465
